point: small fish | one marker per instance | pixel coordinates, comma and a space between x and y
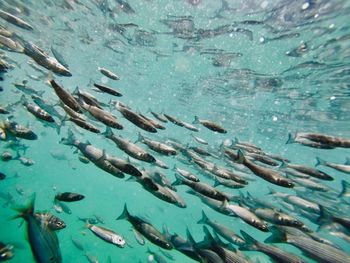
139, 238
18, 130
62, 206
146, 229
103, 88
36, 110
108, 73
107, 235
6, 252
159, 117
186, 174
199, 140
65, 96
345, 168
59, 57
77, 244
69, 197
4, 111
157, 146
53, 222
210, 125
6, 156
15, 20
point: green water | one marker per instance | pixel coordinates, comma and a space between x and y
166, 77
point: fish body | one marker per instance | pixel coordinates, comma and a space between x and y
130, 148
146, 229
65, 96
157, 146
108, 90
85, 125
107, 235
309, 171
69, 197
52, 222
108, 73
345, 168
159, 117
210, 125
15, 20
43, 241
18, 130
37, 111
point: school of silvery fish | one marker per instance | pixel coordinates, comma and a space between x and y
299, 217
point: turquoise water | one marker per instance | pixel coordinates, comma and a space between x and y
259, 96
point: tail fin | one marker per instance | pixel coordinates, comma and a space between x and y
216, 182
278, 235
140, 138
345, 192
250, 242
27, 210
283, 165
347, 161
291, 139
190, 238
108, 133
208, 238
196, 120
70, 140
241, 157
319, 161
178, 181
125, 214
204, 219
325, 217
23, 100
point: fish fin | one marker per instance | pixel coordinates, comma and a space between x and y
208, 238
190, 238
140, 138
125, 214
271, 191
196, 120
178, 180
131, 179
108, 132
283, 165
241, 157
17, 156
27, 210
191, 192
204, 219
70, 140
76, 91
250, 242
278, 236
345, 189
325, 217
174, 167
291, 139
216, 182
319, 161
150, 251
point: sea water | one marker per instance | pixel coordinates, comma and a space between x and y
259, 96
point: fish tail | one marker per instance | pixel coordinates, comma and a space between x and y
196, 120
190, 238
345, 189
283, 165
41, 93
291, 139
325, 217
216, 182
149, 251
125, 214
208, 238
271, 191
319, 161
250, 242
22, 100
175, 167
347, 161
278, 236
241, 157
108, 133
140, 138
70, 140
178, 180
27, 210
17, 156
204, 219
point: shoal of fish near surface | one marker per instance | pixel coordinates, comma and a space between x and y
302, 203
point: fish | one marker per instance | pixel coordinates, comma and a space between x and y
107, 235
6, 156
4, 110
87, 98
274, 252
108, 90
159, 116
66, 97
11, 44
277, 217
45, 105
326, 217
93, 154
325, 139
108, 73
103, 116
267, 174
199, 140
157, 257
345, 168
146, 229
139, 238
62, 207
222, 230
210, 125
174, 120
345, 192
36, 110
83, 124
227, 183
316, 250
156, 146
308, 170
51, 221
6, 252
153, 122
186, 174
43, 241
247, 216
27, 90
202, 188
58, 56
77, 244
18, 130
125, 7
129, 148
15, 20
24, 160
135, 118
69, 197
307, 142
